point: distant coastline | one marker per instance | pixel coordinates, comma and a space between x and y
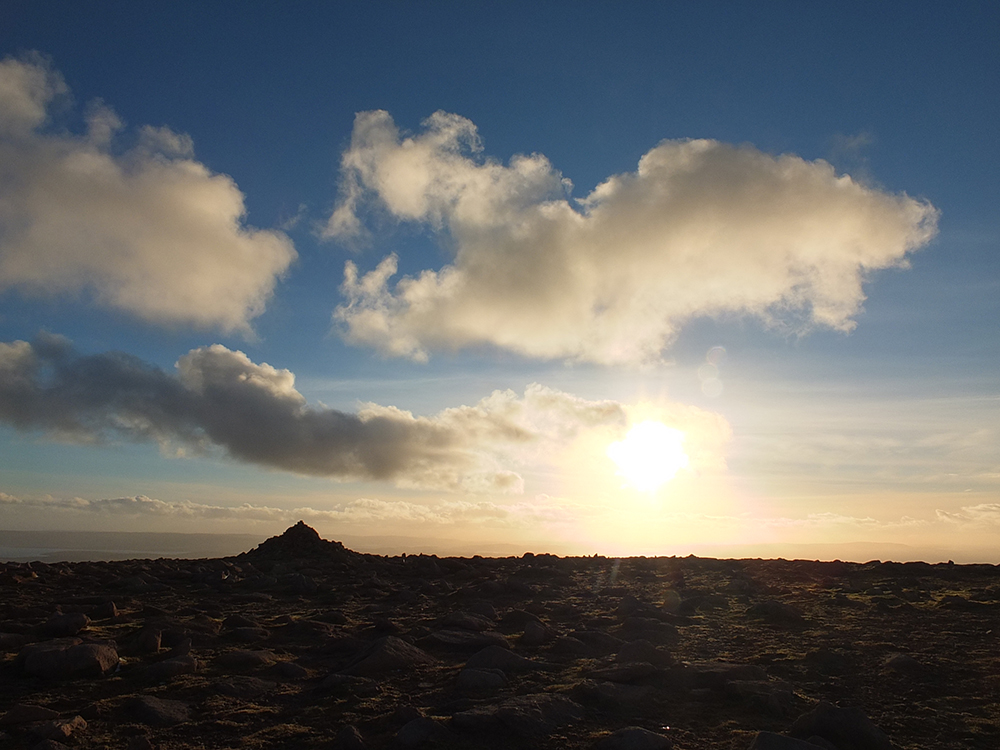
79, 546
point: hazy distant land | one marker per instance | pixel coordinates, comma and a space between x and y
79, 546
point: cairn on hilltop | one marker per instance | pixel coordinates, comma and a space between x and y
298, 542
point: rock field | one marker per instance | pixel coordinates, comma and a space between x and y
302, 643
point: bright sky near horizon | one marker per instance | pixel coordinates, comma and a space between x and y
643, 278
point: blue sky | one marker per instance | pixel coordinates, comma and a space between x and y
184, 184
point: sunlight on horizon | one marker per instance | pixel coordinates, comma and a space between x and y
650, 455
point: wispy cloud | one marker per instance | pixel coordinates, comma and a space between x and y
219, 398
146, 229
983, 514
700, 228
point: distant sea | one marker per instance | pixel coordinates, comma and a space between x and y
77, 546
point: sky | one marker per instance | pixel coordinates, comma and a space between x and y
646, 278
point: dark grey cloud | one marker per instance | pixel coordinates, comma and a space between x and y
219, 400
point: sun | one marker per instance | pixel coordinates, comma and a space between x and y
650, 455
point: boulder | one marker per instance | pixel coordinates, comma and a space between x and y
60, 729
66, 658
168, 669
524, 715
161, 712
480, 680
348, 737
847, 728
241, 660
416, 732
63, 626
21, 713
388, 654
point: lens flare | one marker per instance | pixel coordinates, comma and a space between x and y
650, 455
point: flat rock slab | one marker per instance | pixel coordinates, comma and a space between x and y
523, 715
632, 672
496, 657
715, 674
158, 712
21, 713
245, 687
464, 640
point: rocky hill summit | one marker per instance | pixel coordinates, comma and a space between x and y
302, 644
298, 542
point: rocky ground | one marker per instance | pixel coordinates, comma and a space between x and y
302, 643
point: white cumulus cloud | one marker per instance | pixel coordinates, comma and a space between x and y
700, 228
145, 229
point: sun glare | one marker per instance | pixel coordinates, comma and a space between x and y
650, 455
